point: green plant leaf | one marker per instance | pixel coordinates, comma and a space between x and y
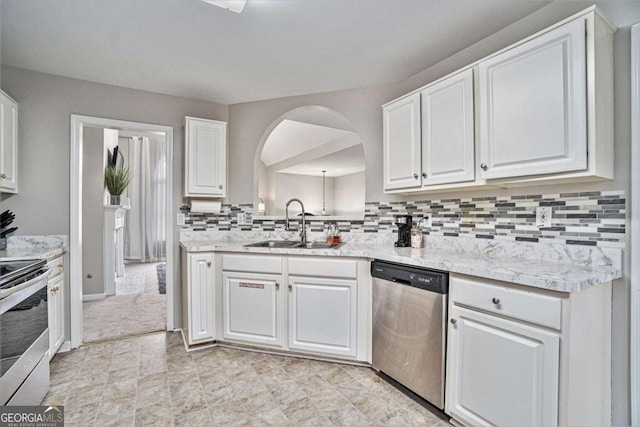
116, 180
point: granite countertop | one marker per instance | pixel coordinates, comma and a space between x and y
34, 247
553, 267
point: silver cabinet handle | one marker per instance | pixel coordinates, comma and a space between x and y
220, 186
424, 174
208, 263
415, 175
484, 166
495, 300
3, 176
453, 321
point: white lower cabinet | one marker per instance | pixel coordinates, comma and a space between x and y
305, 304
323, 315
55, 307
55, 304
523, 356
198, 297
502, 372
252, 308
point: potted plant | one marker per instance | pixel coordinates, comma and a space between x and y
116, 181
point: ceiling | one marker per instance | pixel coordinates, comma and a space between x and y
275, 48
338, 163
291, 139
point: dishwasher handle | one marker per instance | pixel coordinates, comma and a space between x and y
416, 277
402, 281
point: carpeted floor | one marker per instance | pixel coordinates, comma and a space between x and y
137, 308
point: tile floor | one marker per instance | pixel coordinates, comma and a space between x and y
137, 308
152, 380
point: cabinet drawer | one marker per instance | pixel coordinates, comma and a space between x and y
308, 266
56, 266
252, 263
543, 310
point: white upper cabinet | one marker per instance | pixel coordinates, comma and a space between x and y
8, 144
402, 143
448, 130
542, 110
205, 158
532, 106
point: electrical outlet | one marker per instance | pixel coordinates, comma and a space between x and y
543, 216
180, 219
245, 218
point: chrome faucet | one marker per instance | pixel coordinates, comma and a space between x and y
303, 231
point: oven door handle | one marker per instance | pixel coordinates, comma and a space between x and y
13, 296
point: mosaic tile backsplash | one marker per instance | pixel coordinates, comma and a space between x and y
588, 218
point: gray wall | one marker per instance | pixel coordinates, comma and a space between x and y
92, 210
45, 105
362, 107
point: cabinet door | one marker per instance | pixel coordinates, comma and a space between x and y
56, 314
252, 308
533, 106
206, 158
500, 372
8, 144
448, 131
201, 298
322, 315
401, 143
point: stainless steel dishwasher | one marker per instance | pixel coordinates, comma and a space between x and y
409, 327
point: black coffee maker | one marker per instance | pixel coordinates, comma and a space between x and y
404, 230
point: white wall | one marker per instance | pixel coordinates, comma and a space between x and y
304, 187
348, 196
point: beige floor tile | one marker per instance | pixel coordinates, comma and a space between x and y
199, 417
155, 414
347, 415
314, 384
301, 411
115, 408
152, 380
230, 415
185, 403
273, 417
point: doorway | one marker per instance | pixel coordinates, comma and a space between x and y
138, 297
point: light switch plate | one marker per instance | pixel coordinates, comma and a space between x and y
543, 216
180, 220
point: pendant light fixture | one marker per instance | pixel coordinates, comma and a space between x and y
324, 210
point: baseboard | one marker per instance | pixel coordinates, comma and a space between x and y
93, 297
66, 346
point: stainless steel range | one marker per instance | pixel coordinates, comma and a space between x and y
24, 332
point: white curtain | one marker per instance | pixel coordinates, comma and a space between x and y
145, 226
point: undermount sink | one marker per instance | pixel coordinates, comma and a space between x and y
294, 244
318, 245
275, 244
